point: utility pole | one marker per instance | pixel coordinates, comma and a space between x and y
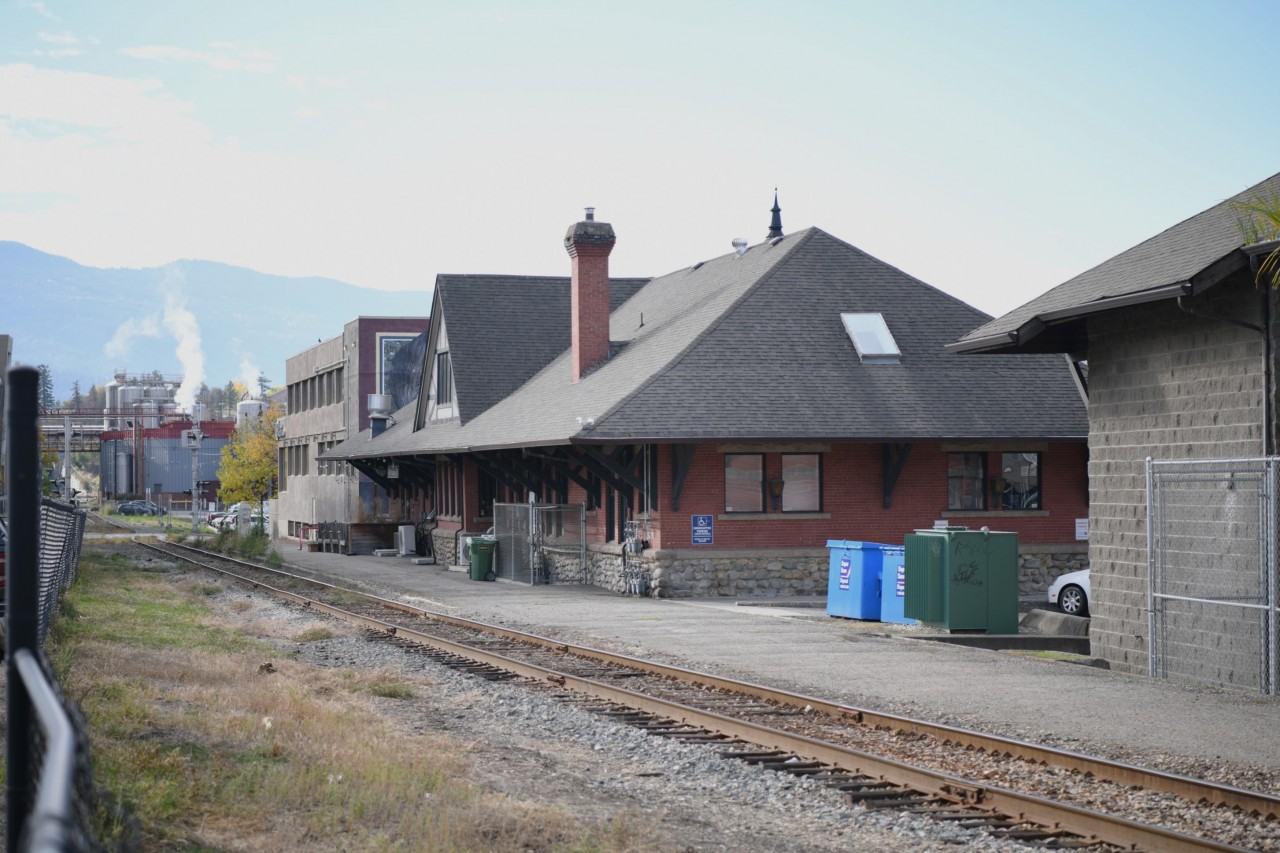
193, 441
66, 458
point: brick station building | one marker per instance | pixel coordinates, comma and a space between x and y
785, 393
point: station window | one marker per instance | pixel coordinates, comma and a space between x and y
1018, 485
444, 379
744, 482
801, 482
966, 481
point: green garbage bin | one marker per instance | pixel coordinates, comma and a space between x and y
962, 580
482, 550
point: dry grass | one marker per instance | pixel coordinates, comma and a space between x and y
217, 742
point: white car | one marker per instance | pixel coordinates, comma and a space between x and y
1070, 593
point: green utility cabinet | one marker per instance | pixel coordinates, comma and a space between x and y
963, 580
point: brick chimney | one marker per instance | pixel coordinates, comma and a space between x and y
589, 244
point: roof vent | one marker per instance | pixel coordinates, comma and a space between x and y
740, 245
591, 214
775, 241
380, 404
696, 266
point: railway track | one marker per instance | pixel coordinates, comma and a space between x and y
1040, 795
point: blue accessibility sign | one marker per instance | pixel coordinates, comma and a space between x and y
704, 532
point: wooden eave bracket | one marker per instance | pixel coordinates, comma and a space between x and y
681, 462
895, 459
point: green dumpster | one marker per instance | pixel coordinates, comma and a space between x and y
482, 551
963, 580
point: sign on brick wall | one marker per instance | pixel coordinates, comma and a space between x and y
704, 530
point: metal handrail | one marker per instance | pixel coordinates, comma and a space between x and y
47, 826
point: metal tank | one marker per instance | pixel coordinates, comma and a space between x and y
249, 409
124, 469
149, 412
111, 401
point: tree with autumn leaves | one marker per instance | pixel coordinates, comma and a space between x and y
248, 468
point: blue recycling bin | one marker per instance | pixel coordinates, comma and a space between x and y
893, 585
853, 580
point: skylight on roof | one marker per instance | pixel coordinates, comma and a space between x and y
871, 338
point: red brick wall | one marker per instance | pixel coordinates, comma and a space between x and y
852, 489
590, 307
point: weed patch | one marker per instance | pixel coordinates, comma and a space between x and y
213, 749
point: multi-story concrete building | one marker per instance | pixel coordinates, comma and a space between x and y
327, 391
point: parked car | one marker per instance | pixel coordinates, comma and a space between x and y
1070, 593
140, 508
229, 519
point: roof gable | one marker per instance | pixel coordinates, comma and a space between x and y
504, 329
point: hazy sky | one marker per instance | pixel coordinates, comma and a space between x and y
993, 149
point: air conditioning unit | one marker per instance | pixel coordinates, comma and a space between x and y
405, 541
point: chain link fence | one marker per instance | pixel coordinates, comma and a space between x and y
541, 543
1211, 537
50, 797
61, 535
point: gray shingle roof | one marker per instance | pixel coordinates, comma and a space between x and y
752, 346
504, 329
1153, 269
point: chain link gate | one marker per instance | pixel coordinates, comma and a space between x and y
1212, 573
541, 543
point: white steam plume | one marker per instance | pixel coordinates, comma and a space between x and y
182, 324
249, 374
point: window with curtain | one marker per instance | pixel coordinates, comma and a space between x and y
744, 482
801, 482
966, 480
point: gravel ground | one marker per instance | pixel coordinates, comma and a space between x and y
672, 796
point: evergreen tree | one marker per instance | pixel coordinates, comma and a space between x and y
77, 400
44, 388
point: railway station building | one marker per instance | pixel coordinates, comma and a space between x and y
720, 423
1180, 338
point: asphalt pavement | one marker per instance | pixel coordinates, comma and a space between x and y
795, 645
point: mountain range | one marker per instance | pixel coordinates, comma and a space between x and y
87, 323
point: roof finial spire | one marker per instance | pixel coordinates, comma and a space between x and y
775, 225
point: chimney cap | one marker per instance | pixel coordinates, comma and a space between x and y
589, 232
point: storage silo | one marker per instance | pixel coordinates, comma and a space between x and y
249, 409
111, 401
148, 410
124, 469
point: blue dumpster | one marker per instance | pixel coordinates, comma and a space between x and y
893, 585
853, 581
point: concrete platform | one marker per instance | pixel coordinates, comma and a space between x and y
793, 644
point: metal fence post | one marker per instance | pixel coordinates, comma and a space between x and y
21, 589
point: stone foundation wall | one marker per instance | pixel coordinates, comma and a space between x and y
770, 574
1037, 569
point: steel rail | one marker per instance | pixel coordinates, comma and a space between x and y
1193, 790
1022, 807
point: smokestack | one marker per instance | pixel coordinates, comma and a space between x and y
589, 244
